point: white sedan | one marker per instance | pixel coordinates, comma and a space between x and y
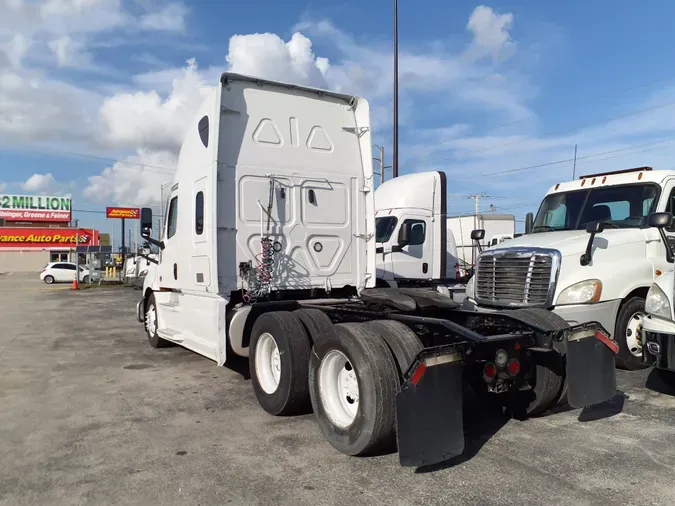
63, 272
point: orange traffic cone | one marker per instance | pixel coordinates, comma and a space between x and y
75, 285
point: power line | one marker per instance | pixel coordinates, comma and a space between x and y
568, 160
143, 166
547, 134
510, 123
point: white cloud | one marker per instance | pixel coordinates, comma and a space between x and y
170, 18
3, 187
46, 184
267, 55
35, 108
69, 52
134, 181
148, 120
491, 32
15, 50
39, 183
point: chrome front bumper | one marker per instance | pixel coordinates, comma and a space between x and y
658, 342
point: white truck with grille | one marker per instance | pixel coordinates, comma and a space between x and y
590, 256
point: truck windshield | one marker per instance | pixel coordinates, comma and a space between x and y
384, 226
624, 206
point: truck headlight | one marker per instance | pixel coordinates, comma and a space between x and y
657, 302
582, 292
470, 290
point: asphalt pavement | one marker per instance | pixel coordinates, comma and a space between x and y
91, 414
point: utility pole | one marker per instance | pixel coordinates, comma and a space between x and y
381, 160
123, 247
574, 170
395, 147
476, 198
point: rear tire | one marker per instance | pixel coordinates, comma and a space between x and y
49, 280
547, 385
353, 381
278, 360
402, 342
627, 334
315, 321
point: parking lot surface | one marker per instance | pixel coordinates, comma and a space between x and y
91, 414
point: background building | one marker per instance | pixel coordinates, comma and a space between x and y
36, 230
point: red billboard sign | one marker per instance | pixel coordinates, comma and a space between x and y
130, 213
46, 238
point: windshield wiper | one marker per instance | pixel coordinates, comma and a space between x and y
545, 227
610, 224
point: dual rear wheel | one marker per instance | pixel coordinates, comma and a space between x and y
347, 374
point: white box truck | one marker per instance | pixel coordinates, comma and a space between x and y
590, 256
268, 252
498, 227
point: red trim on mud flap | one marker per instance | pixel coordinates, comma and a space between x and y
607, 341
417, 375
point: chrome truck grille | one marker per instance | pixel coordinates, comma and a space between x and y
517, 277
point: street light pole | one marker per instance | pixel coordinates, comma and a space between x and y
395, 147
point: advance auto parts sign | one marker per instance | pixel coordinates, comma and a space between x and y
130, 213
46, 238
32, 208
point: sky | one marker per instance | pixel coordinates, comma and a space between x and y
95, 95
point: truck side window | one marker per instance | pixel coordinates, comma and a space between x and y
173, 217
670, 208
417, 232
199, 213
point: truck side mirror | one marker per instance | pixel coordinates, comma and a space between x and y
529, 223
404, 234
146, 228
661, 221
477, 236
593, 228
146, 222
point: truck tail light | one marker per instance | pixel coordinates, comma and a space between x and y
489, 372
513, 367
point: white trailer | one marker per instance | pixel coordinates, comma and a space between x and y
268, 252
497, 227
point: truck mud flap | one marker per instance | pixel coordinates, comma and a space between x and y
591, 370
429, 422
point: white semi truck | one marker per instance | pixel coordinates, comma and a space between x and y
658, 329
498, 227
268, 252
590, 256
417, 201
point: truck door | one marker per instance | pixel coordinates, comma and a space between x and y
384, 240
660, 256
413, 260
200, 269
170, 273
